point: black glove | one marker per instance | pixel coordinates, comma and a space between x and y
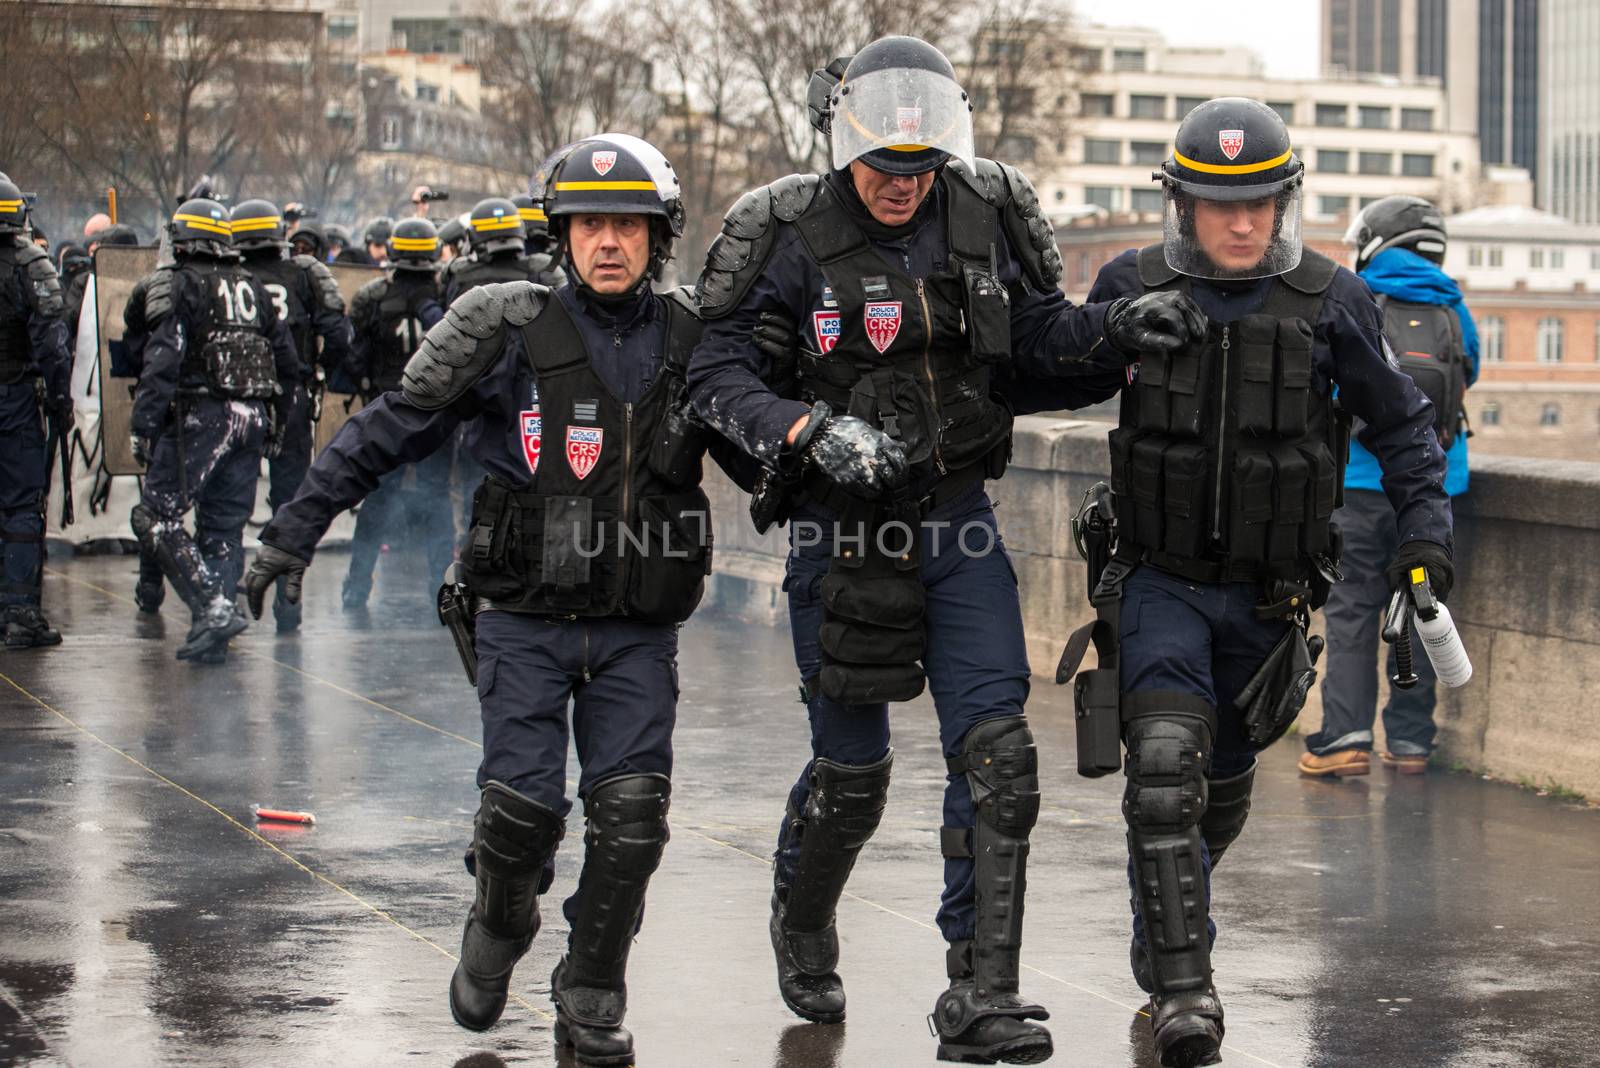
1427, 554
1154, 323
270, 562
141, 450
852, 453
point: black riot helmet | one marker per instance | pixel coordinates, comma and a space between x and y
13, 208
117, 234
453, 232
1234, 151
496, 226
305, 239
897, 107
535, 222
1397, 222
201, 227
378, 230
257, 224
613, 174
335, 235
413, 245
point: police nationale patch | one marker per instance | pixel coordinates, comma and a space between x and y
583, 448
603, 162
532, 437
883, 323
827, 326
1231, 142
909, 120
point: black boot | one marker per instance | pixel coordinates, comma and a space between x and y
513, 839
841, 813
981, 1018
627, 832
151, 588
1168, 737
26, 628
1227, 809
212, 629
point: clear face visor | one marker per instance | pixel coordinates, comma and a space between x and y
1253, 237
900, 110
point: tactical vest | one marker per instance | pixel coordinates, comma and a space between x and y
913, 355
229, 351
399, 328
475, 272
284, 281
1228, 462
613, 521
15, 351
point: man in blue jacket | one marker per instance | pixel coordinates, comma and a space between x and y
1400, 245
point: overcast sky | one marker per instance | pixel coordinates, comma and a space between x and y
1285, 32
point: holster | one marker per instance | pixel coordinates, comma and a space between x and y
873, 634
1097, 692
455, 612
1276, 693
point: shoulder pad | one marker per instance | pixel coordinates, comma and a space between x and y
1154, 271
1031, 233
739, 254
683, 297
1313, 275
43, 280
542, 268
369, 294
158, 295
986, 177
322, 281
461, 347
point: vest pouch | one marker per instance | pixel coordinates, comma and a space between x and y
872, 634
988, 312
238, 364
1294, 378
570, 544
679, 444
1144, 470
1255, 349
673, 557
493, 554
1184, 499
1321, 489
1122, 440
1097, 709
976, 431
1290, 478
1187, 374
1251, 504
896, 403
1151, 391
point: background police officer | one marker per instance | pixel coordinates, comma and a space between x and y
218, 356
35, 384
1225, 470
923, 282
499, 244
307, 299
595, 370
390, 315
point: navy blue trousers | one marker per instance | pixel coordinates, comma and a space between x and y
286, 471
22, 480
977, 666
618, 676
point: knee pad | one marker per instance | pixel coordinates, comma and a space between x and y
514, 834
144, 522
1002, 769
627, 823
1168, 735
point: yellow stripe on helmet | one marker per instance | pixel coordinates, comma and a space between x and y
508, 222
590, 187
1232, 168
260, 222
10, 205
414, 244
907, 148
202, 222
532, 215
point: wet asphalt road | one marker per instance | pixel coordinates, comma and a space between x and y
147, 921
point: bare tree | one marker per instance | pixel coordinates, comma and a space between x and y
1016, 69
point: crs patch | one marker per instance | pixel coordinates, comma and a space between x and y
827, 327
583, 448
602, 162
532, 437
883, 323
1231, 142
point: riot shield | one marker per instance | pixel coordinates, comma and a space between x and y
338, 407
117, 269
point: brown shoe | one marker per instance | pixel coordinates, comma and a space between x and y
1340, 762
1405, 763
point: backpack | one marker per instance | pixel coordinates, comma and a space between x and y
1427, 340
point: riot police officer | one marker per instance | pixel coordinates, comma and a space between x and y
1225, 471
540, 243
219, 368
499, 241
306, 239
390, 315
307, 299
924, 282
376, 238
35, 388
571, 605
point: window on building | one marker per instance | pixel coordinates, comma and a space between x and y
1015, 101
1095, 105
1490, 415
1416, 118
1285, 110
1551, 342
1333, 161
1096, 150
1061, 194
1536, 258
341, 27
1085, 59
1154, 152
1550, 415
1558, 258
1333, 114
1377, 162
1492, 338
1331, 206
1474, 255
1416, 165
1374, 118
1017, 147
1187, 104
1367, 202
1594, 260
427, 91
1102, 196
1083, 269
389, 132
1147, 107
1497, 257
426, 35
1147, 201
1127, 59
